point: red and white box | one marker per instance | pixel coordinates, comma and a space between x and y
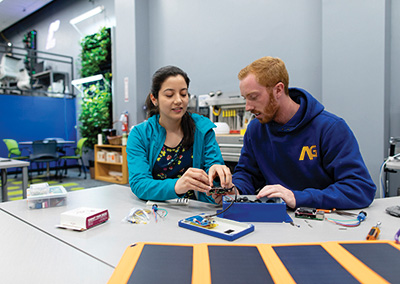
83, 218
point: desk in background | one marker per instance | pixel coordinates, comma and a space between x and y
10, 163
61, 142
108, 241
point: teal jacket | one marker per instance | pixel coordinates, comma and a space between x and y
144, 144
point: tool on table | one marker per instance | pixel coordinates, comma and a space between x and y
334, 210
294, 225
374, 232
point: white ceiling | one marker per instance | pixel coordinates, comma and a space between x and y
11, 11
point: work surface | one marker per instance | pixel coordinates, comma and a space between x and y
29, 255
108, 241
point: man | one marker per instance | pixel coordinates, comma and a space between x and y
294, 149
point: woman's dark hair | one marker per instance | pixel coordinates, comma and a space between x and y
187, 123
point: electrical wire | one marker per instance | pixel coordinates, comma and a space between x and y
381, 183
356, 222
233, 201
157, 210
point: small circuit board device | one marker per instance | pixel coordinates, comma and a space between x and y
202, 221
220, 190
309, 213
217, 227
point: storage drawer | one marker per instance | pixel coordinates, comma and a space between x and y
230, 145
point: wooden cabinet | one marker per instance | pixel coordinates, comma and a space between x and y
115, 172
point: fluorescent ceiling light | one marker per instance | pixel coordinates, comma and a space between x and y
87, 15
78, 83
94, 78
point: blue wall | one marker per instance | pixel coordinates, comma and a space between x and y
27, 118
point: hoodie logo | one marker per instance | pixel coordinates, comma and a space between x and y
311, 152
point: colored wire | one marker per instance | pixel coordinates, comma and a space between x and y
155, 208
162, 215
344, 224
156, 211
397, 236
338, 220
360, 217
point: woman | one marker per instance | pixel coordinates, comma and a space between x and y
170, 154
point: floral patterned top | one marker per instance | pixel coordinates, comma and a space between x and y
173, 163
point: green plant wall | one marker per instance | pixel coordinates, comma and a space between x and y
95, 112
96, 103
96, 53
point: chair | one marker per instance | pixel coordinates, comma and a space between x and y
78, 157
13, 151
45, 152
60, 149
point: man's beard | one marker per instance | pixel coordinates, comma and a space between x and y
269, 112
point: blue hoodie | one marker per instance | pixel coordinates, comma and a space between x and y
144, 145
315, 154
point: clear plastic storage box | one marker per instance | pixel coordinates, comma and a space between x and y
44, 196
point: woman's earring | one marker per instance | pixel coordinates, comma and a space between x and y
156, 104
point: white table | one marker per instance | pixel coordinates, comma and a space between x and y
29, 255
10, 163
108, 241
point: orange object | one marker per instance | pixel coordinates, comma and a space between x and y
374, 232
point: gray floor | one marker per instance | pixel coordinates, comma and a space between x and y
71, 182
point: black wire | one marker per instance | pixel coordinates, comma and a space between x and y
233, 201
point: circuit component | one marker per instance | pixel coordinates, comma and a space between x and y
204, 222
220, 190
309, 213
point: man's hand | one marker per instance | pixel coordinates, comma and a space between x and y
195, 179
278, 190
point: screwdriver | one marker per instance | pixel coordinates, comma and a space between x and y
374, 232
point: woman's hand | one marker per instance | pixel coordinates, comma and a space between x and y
218, 197
224, 174
193, 178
